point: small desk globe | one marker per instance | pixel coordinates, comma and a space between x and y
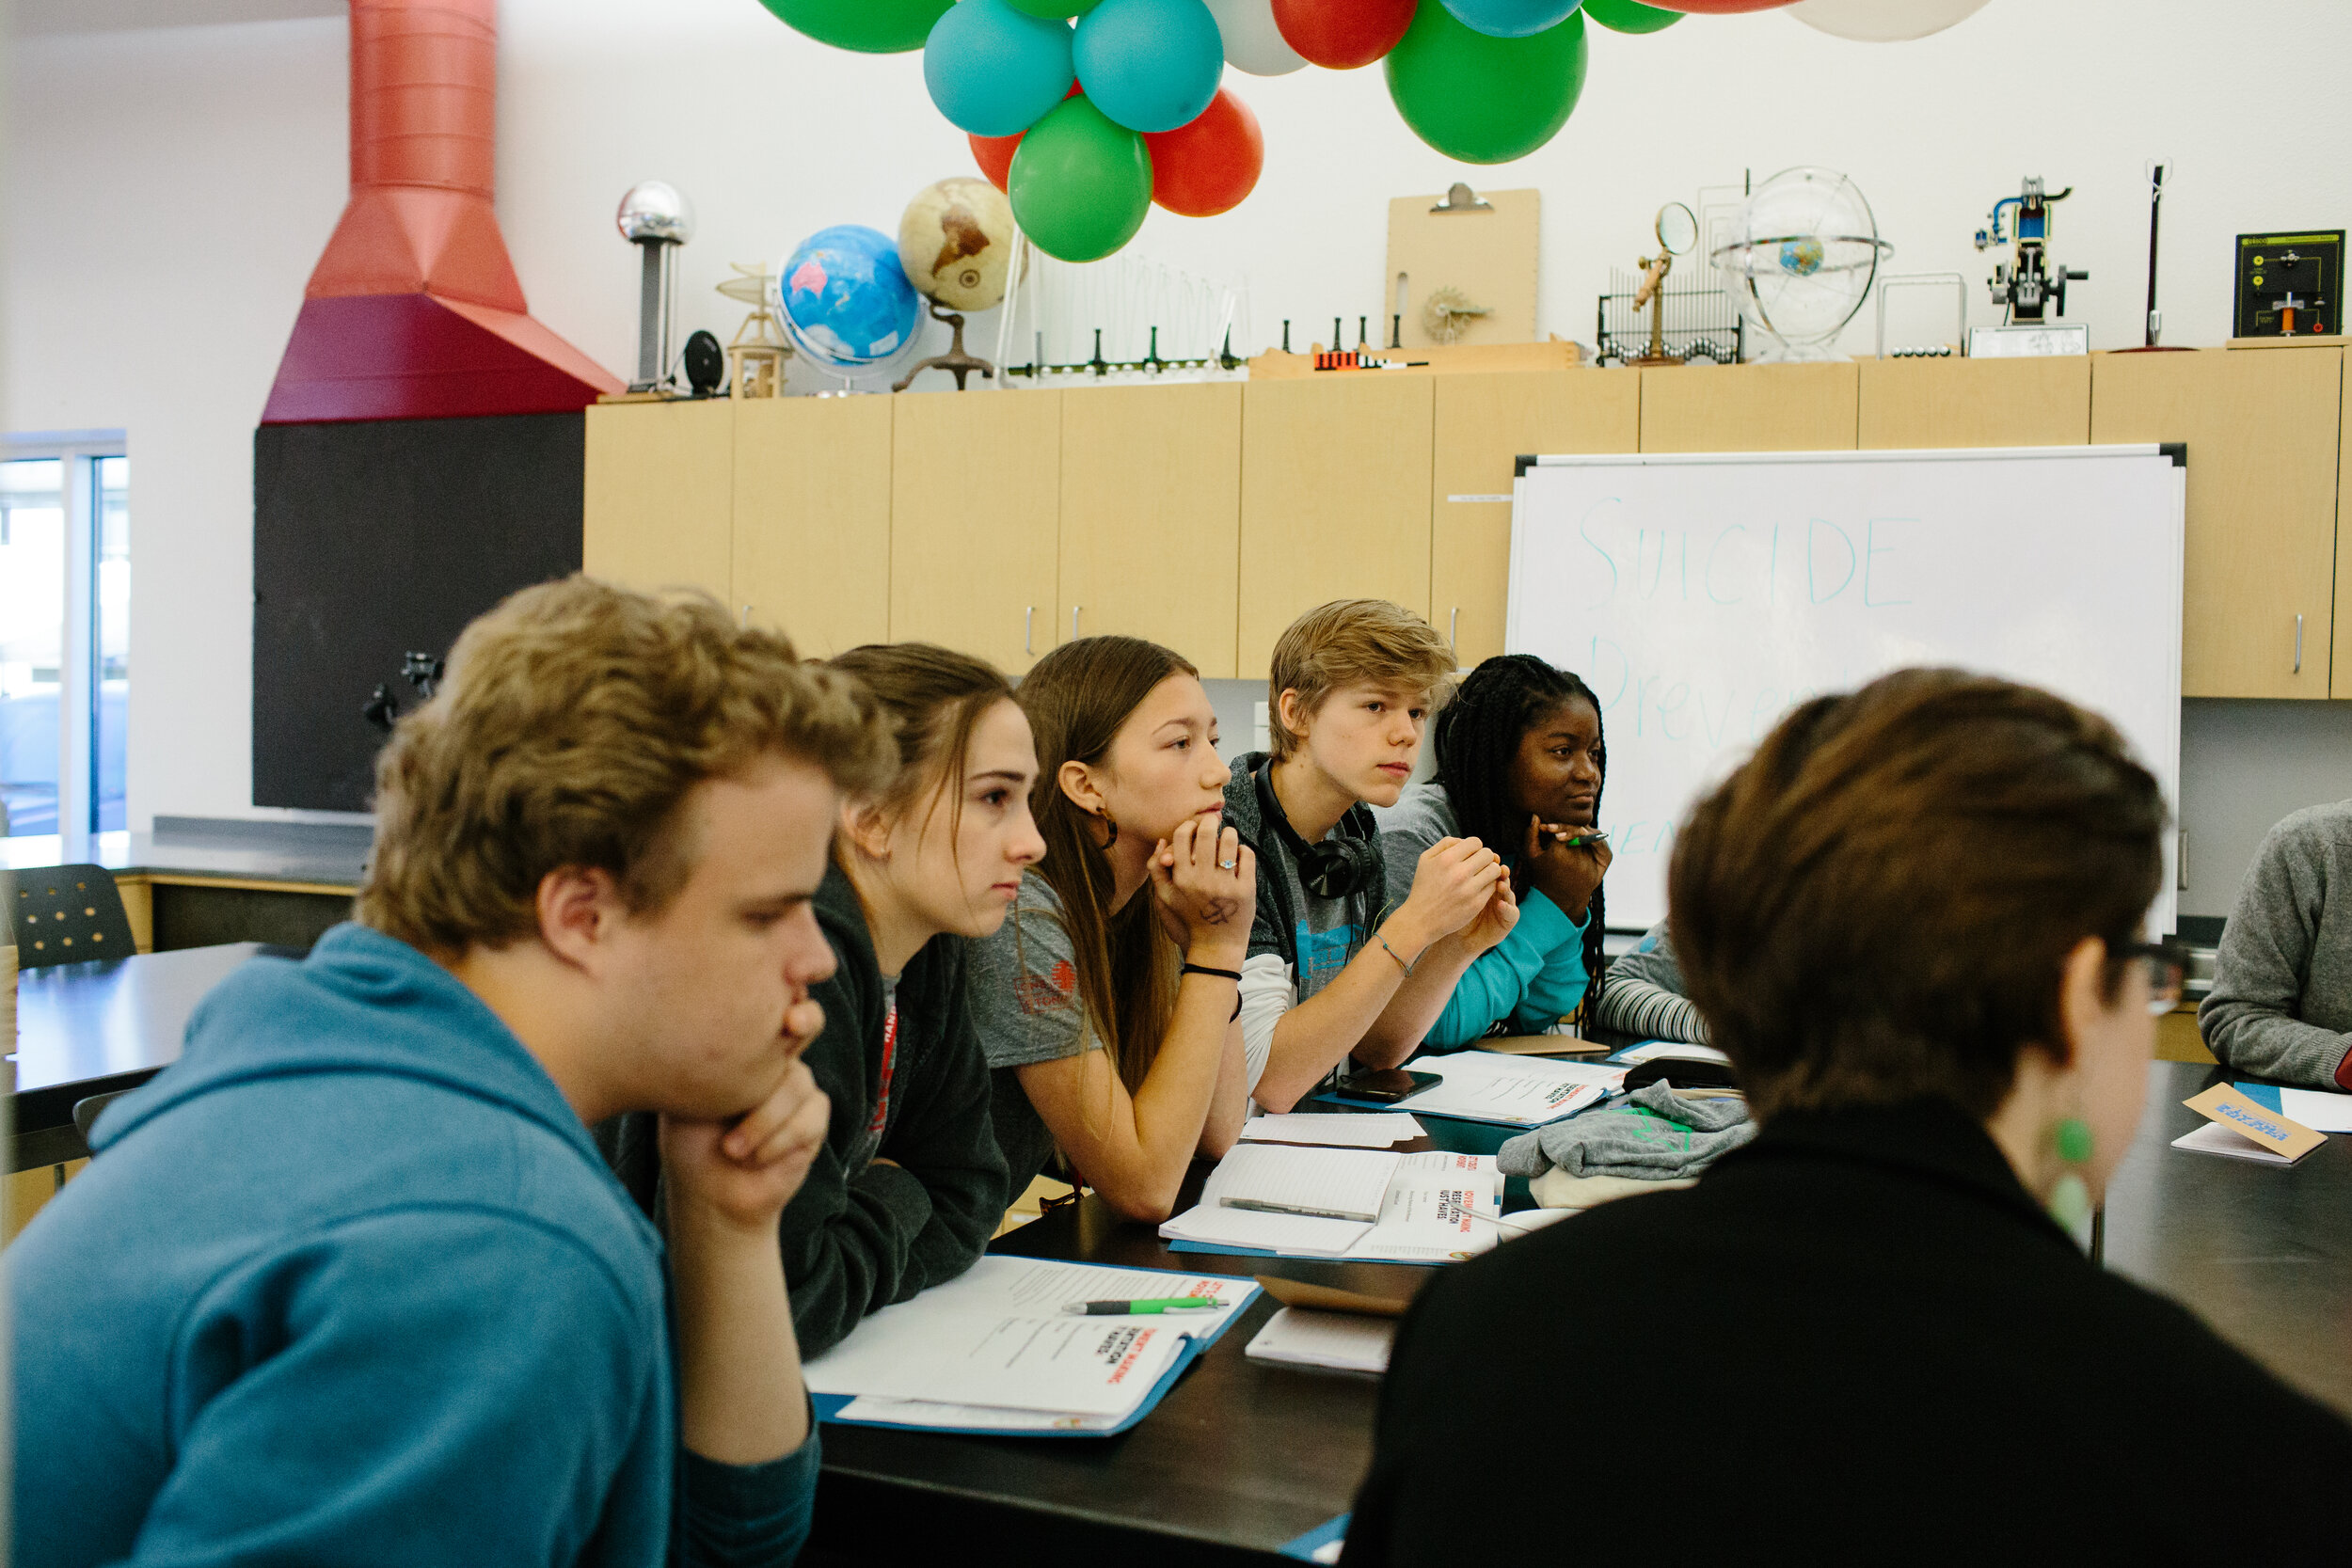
1799, 260
845, 301
956, 244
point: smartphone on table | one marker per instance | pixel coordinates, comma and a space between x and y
1386, 1085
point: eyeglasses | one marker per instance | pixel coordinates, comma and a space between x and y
2168, 971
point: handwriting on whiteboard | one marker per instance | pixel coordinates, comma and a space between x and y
1812, 560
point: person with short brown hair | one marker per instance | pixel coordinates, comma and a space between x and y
1913, 919
1333, 972
362, 1287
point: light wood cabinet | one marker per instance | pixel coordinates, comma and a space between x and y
657, 503
2340, 676
1150, 518
1334, 499
1974, 403
1750, 407
811, 519
2263, 433
1482, 424
975, 510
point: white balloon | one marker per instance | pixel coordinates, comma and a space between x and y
1884, 21
1252, 43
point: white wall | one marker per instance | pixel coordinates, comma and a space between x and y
173, 187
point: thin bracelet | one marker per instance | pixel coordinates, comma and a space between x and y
1391, 953
1232, 974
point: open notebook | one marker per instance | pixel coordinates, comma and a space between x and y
993, 1351
1369, 1206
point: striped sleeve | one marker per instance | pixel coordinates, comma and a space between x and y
1649, 1012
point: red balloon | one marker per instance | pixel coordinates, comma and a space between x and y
995, 156
1340, 35
994, 153
1711, 7
1210, 165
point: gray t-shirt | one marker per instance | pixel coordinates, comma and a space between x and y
1022, 986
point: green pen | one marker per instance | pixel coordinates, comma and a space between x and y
1160, 1303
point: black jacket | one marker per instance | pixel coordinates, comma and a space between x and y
858, 1235
1856, 1341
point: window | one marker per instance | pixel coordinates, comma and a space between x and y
65, 621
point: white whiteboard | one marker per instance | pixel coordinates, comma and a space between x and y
1704, 594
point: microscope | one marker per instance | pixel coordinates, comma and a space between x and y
2026, 289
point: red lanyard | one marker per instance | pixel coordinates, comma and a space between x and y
889, 1064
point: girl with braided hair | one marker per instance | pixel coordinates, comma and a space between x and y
1521, 760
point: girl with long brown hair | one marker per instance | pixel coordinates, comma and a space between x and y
1108, 1003
909, 1186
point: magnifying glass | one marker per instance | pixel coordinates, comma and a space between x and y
1678, 230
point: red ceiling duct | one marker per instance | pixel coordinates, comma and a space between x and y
414, 313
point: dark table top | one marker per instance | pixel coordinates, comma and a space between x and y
1241, 1457
2261, 1254
94, 1028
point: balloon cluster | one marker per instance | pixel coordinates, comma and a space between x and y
1086, 112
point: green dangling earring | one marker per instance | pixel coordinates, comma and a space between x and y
2070, 1201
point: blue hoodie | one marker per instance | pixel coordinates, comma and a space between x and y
350, 1282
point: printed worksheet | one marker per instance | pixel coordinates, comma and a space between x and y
1338, 1129
997, 1337
1516, 1091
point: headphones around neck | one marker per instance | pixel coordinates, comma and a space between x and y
1340, 866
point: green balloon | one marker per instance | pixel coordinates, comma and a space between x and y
869, 27
1057, 9
1631, 16
1081, 185
1485, 100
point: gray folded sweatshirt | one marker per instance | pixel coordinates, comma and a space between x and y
1651, 1135
2281, 1002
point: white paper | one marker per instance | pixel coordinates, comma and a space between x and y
2317, 1109
2213, 1138
1518, 1091
996, 1337
1680, 1050
1302, 1336
924, 1413
1437, 1207
1347, 1182
1376, 1130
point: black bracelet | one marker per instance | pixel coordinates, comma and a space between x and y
1232, 974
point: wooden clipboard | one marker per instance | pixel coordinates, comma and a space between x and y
1487, 254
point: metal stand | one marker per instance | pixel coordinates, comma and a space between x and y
955, 361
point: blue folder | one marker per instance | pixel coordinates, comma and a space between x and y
1199, 1336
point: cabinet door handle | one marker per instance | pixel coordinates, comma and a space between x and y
1029, 624
1453, 629
1074, 621
2299, 644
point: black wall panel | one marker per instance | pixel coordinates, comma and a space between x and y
374, 539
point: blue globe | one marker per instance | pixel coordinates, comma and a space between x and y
845, 298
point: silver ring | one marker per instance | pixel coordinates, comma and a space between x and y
1227, 864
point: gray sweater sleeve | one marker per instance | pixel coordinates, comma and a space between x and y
2282, 996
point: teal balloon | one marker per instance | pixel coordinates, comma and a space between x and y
1510, 19
1150, 65
1485, 99
1631, 16
994, 70
1063, 9
869, 27
1080, 183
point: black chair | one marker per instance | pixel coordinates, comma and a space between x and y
86, 1111
68, 914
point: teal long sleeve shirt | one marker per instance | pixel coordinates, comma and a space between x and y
1532, 978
